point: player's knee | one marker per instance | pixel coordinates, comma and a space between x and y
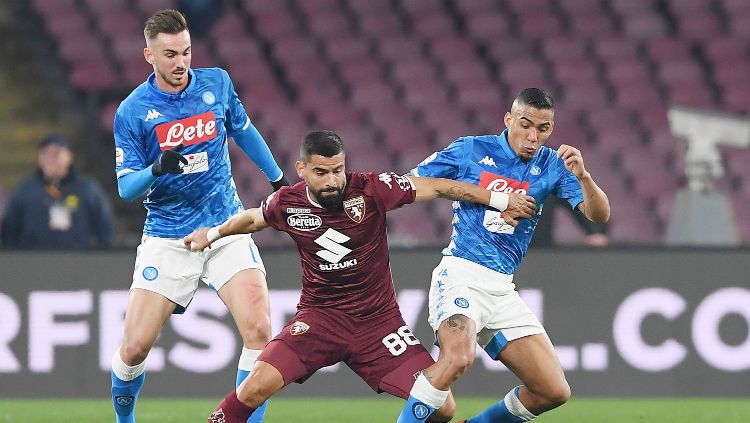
444, 413
134, 352
557, 395
458, 358
253, 394
256, 331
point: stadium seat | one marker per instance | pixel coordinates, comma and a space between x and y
644, 26
229, 27
295, 48
488, 28
565, 48
346, 47
329, 24
116, 23
275, 23
380, 25
148, 7
360, 70
102, 7
68, 23
432, 24
49, 8
79, 48
591, 24
93, 76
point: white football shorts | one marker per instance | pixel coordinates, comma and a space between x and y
485, 296
164, 266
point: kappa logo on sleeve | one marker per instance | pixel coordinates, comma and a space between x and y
188, 131
401, 181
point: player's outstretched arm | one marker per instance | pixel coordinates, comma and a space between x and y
255, 147
248, 221
512, 205
595, 202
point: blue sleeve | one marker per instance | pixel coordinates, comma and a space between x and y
134, 184
567, 187
443, 164
253, 144
130, 151
236, 116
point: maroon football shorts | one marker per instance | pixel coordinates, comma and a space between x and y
380, 349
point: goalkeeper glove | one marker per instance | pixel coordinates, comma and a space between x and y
169, 162
283, 182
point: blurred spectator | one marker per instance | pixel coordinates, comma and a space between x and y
596, 233
200, 15
57, 207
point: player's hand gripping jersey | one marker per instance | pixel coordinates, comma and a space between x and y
479, 233
344, 253
200, 118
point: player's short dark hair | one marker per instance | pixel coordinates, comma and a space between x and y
168, 21
536, 97
321, 142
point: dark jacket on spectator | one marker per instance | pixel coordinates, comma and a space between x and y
78, 202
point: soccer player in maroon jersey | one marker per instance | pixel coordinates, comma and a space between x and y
347, 311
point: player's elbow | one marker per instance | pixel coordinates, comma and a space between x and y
126, 194
601, 218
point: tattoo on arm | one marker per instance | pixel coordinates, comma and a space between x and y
456, 194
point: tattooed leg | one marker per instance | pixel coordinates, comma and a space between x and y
458, 338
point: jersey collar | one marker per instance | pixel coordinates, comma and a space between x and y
172, 96
310, 198
505, 146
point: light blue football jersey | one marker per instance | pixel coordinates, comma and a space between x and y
479, 232
200, 117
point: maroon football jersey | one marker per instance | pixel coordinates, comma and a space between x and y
344, 253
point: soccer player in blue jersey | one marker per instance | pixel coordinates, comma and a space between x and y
473, 297
171, 144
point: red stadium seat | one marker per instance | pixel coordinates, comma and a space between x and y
380, 25
93, 76
564, 49
591, 24
148, 7
294, 48
67, 23
644, 26
118, 23
432, 24
346, 47
230, 26
399, 48
489, 28
329, 24
360, 70
276, 23
49, 8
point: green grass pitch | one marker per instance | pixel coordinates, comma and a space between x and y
314, 410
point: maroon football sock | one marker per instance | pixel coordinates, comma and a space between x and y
231, 410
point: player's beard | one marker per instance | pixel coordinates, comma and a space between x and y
331, 202
171, 79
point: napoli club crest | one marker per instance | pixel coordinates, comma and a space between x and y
355, 208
